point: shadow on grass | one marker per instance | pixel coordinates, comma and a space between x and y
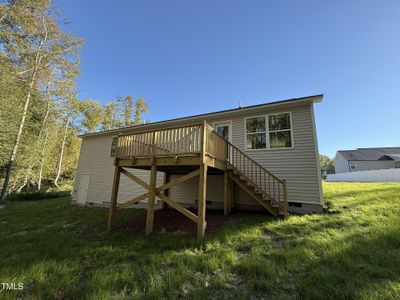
60, 251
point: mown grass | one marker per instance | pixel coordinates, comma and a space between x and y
63, 252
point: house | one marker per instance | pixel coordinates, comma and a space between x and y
365, 159
257, 157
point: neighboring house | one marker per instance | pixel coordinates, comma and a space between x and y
365, 159
257, 156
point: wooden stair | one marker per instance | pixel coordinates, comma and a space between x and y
255, 192
193, 145
267, 189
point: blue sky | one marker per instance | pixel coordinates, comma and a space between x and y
191, 57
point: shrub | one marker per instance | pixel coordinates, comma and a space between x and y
32, 196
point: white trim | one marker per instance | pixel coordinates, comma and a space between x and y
229, 122
267, 132
256, 132
321, 195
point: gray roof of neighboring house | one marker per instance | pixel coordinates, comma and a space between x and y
313, 98
385, 153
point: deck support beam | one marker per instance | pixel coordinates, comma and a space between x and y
133, 201
151, 200
114, 195
135, 179
227, 204
201, 205
231, 194
178, 207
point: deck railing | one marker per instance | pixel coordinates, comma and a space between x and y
185, 140
170, 141
216, 146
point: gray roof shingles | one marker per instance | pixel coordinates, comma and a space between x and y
371, 153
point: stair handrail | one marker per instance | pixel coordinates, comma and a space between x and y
281, 182
255, 162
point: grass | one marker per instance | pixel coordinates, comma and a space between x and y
63, 252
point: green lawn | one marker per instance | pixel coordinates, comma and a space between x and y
63, 252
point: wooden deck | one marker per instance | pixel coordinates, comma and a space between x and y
193, 150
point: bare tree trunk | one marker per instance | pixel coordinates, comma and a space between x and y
25, 181
42, 161
16, 142
14, 185
61, 154
28, 172
10, 165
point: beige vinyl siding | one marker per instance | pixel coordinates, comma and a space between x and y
95, 160
188, 191
298, 165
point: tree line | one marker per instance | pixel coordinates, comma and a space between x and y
327, 165
40, 113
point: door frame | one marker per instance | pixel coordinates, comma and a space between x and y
229, 123
87, 189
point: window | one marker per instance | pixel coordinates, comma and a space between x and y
352, 165
256, 133
280, 135
397, 164
113, 151
271, 132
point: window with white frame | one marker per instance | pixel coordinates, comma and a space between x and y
256, 135
280, 131
271, 132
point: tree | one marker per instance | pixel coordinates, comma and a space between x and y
92, 113
327, 165
110, 116
141, 107
70, 110
126, 108
32, 42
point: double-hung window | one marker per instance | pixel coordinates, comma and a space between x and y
269, 132
280, 132
256, 135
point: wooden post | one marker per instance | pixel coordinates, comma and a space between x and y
151, 200
226, 193
231, 194
201, 224
114, 195
285, 202
166, 192
201, 205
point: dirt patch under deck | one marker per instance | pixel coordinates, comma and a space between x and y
170, 220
